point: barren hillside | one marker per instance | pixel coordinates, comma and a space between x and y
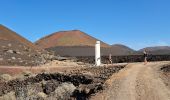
16, 50
68, 38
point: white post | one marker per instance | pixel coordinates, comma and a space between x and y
97, 53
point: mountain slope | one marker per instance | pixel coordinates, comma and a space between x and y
16, 50
122, 49
7, 34
68, 38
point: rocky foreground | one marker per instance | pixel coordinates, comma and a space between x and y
75, 84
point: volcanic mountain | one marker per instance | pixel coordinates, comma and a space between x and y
77, 43
16, 50
68, 38
157, 50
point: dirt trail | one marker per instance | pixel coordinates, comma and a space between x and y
136, 82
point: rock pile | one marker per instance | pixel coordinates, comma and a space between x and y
165, 68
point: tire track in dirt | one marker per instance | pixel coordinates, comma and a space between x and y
150, 86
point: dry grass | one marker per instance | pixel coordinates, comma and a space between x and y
8, 96
62, 92
34, 70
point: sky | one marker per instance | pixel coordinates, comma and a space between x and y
135, 23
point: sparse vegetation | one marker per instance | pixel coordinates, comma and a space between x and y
62, 92
8, 96
5, 77
52, 86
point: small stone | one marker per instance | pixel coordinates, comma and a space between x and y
9, 59
10, 51
18, 52
3, 46
9, 45
1, 59
19, 58
13, 58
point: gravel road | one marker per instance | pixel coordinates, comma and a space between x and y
136, 82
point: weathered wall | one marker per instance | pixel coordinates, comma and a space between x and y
121, 59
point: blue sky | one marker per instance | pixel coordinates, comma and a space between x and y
135, 23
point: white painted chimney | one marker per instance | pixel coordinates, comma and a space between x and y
97, 53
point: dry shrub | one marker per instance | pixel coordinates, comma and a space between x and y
8, 96
23, 75
63, 92
27, 73
5, 77
29, 93
21, 92
41, 95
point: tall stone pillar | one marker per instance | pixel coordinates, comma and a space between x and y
97, 54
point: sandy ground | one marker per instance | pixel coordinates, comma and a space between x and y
54, 66
136, 82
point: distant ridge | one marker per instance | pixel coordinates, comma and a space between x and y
122, 48
157, 50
